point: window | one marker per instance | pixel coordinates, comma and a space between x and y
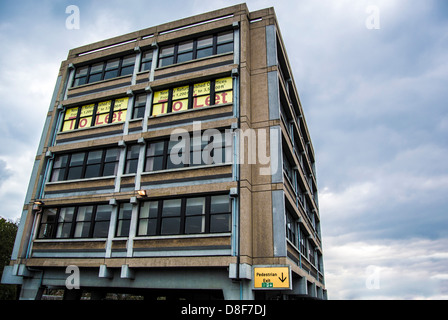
195, 215
91, 221
148, 218
139, 106
170, 220
104, 70
102, 220
291, 228
214, 92
204, 47
224, 42
219, 213
146, 61
192, 215
84, 221
47, 223
95, 114
214, 148
132, 154
196, 49
166, 56
86, 164
185, 51
124, 219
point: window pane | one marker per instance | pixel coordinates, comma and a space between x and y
127, 70
195, 206
82, 230
140, 100
202, 53
170, 226
63, 230
225, 37
220, 223
95, 77
184, 57
171, 207
128, 60
92, 171
154, 163
77, 159
195, 224
133, 152
147, 56
185, 46
146, 66
101, 229
167, 51
205, 42
147, 227
74, 173
94, 157
103, 212
96, 68
60, 161
149, 209
81, 71
84, 213
123, 228
66, 214
112, 64
49, 216
131, 166
228, 47
80, 81
155, 148
111, 74
112, 154
110, 169
166, 61
220, 204
58, 175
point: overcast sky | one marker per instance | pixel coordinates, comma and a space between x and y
373, 82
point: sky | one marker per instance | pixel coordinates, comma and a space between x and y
372, 77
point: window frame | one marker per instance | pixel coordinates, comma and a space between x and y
175, 54
131, 159
102, 73
54, 225
167, 98
97, 116
225, 149
84, 164
207, 215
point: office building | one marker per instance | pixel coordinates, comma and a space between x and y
175, 162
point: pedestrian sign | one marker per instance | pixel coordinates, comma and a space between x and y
272, 277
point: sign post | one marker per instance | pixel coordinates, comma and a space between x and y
274, 277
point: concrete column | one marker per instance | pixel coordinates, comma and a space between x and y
31, 289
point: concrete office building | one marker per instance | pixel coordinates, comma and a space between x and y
174, 161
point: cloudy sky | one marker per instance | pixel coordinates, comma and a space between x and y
373, 81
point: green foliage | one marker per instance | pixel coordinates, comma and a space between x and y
8, 230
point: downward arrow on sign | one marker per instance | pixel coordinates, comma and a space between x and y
282, 279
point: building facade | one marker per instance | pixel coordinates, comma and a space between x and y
175, 162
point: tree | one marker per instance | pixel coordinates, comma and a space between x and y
8, 230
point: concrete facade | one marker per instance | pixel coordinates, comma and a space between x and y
267, 176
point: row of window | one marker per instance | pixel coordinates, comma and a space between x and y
196, 49
171, 54
213, 92
299, 239
95, 114
209, 148
188, 215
